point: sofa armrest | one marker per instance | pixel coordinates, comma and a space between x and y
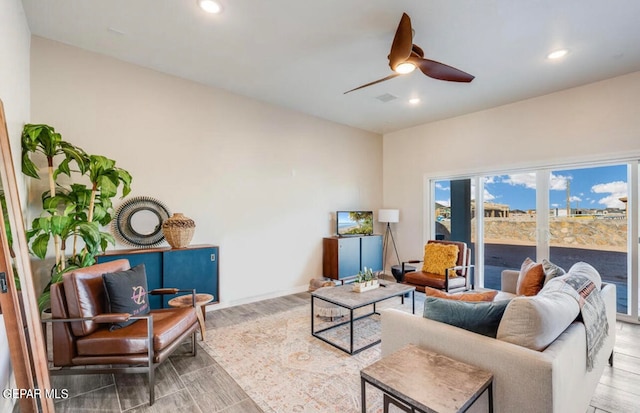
509, 281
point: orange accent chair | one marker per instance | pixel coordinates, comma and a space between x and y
458, 276
83, 343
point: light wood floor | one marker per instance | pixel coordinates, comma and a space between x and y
199, 384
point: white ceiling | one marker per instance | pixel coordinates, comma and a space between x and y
304, 54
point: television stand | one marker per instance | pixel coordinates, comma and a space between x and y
345, 256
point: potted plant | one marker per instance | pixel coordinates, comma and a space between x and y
71, 212
365, 280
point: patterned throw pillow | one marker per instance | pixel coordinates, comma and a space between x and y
551, 270
439, 257
530, 279
465, 296
127, 293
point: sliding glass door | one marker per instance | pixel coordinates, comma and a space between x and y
588, 222
565, 215
508, 222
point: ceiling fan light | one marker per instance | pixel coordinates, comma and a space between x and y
210, 6
557, 54
405, 67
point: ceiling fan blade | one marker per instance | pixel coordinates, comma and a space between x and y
402, 42
391, 76
417, 50
441, 71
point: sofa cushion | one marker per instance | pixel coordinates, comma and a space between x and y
439, 257
530, 279
551, 270
488, 295
479, 317
535, 322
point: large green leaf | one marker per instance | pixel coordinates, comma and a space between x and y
40, 244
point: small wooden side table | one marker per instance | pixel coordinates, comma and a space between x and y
187, 301
415, 379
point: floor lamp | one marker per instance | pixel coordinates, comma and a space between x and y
389, 216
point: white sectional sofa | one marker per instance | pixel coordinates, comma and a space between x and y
553, 380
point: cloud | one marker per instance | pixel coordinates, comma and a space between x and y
441, 187
616, 190
558, 182
527, 180
575, 199
488, 196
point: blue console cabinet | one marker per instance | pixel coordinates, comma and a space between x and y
184, 268
344, 257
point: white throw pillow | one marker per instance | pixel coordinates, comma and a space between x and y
535, 322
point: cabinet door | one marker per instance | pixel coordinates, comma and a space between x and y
153, 267
371, 252
348, 257
191, 268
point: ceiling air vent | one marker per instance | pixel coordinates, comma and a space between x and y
387, 97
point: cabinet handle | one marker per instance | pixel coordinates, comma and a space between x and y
213, 257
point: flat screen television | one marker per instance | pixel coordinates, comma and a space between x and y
354, 223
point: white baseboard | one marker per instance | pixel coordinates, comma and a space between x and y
248, 300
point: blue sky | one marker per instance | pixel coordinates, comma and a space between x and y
597, 187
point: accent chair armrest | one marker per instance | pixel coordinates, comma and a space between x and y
410, 262
100, 318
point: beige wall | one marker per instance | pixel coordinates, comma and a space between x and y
260, 181
597, 121
14, 92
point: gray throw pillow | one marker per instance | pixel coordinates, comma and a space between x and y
479, 317
551, 270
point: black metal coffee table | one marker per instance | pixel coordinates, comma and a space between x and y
344, 296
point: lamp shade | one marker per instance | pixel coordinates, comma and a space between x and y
389, 215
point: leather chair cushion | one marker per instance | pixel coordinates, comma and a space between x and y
85, 293
168, 325
423, 279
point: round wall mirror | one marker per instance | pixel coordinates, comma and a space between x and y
138, 221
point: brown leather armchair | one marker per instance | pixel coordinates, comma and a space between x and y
459, 275
83, 344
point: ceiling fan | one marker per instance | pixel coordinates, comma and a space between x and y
405, 56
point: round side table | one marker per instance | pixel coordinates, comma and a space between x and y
187, 301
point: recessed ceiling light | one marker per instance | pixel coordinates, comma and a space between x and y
210, 6
414, 101
557, 54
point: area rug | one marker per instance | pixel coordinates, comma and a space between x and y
283, 368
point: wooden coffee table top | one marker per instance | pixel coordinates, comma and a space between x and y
344, 295
428, 381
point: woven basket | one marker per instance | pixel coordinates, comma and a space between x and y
178, 230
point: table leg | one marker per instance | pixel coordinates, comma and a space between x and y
491, 397
351, 330
200, 316
413, 301
363, 396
